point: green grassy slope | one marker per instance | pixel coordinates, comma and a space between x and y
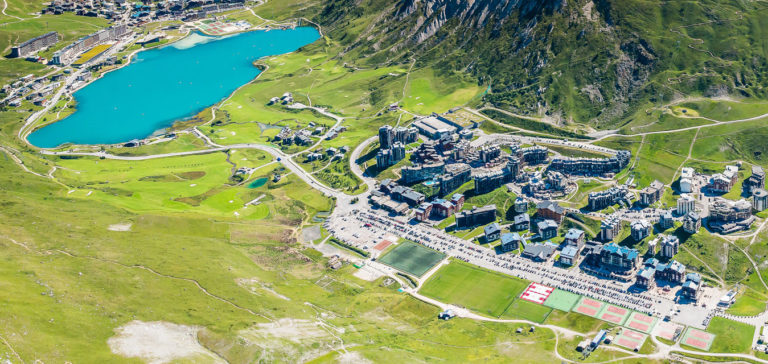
595, 62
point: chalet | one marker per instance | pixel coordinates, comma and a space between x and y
547, 229
652, 193
570, 255
492, 232
540, 252
574, 237
511, 241
522, 222
645, 277
550, 210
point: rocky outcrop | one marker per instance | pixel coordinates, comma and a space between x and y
470, 13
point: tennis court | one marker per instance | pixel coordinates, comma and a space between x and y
698, 339
640, 322
630, 339
536, 293
412, 258
383, 245
614, 314
561, 300
589, 307
667, 330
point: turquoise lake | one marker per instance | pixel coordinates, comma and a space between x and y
168, 84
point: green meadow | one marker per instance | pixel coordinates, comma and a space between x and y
475, 288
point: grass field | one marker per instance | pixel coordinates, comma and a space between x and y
522, 309
576, 321
725, 110
489, 293
732, 336
748, 303
412, 258
427, 92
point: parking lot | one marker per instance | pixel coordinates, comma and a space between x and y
364, 228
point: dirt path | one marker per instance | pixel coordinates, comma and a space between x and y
479, 114
5, 6
720, 279
717, 123
2, 338
151, 270
637, 155
142, 267
690, 152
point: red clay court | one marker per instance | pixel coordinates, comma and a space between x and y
702, 335
695, 343
591, 302
698, 339
631, 340
536, 293
586, 311
667, 330
589, 307
383, 245
614, 314
641, 322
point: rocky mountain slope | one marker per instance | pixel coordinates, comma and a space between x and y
595, 61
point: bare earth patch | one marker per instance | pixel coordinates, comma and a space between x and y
290, 340
159, 342
367, 273
120, 227
290, 329
352, 358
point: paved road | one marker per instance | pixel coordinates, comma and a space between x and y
356, 167
505, 138
716, 123
25, 129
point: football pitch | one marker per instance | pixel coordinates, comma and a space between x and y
412, 258
477, 289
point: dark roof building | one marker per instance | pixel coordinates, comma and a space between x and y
476, 216
539, 252
511, 241
492, 232
619, 258
570, 255
547, 229
522, 222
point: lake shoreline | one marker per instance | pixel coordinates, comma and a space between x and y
257, 64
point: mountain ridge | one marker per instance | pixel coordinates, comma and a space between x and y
596, 62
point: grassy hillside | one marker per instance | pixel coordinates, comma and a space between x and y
591, 62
